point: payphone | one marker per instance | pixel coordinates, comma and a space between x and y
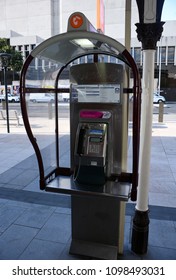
96, 132
91, 150
96, 176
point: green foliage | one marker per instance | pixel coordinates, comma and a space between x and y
4, 45
16, 61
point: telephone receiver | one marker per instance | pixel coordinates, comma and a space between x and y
80, 147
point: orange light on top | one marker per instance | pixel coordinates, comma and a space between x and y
76, 21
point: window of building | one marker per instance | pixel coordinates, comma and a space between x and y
113, 59
105, 58
162, 51
137, 55
20, 48
170, 55
33, 46
131, 51
156, 55
82, 59
90, 58
26, 50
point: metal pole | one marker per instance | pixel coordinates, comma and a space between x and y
128, 24
159, 74
6, 99
146, 128
141, 219
149, 31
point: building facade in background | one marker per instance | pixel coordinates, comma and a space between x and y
29, 22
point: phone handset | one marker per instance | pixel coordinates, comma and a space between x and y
80, 147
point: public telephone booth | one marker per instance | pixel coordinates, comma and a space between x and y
82, 145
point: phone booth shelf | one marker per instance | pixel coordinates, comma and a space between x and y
97, 139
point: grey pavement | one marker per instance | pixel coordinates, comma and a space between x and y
37, 225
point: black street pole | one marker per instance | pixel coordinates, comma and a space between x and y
6, 99
4, 62
149, 31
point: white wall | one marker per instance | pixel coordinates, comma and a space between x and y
45, 18
26, 17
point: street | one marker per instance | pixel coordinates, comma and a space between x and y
42, 109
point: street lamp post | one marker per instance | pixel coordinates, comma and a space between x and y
149, 31
4, 63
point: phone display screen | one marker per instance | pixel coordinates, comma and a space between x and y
95, 139
96, 131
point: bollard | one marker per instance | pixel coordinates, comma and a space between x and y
161, 111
